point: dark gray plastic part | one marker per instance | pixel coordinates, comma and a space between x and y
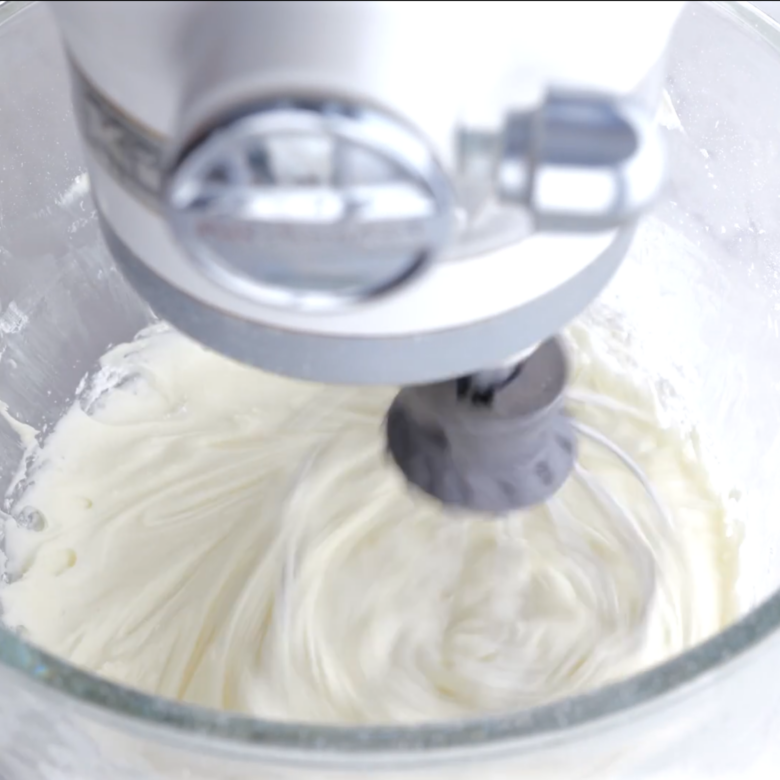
493, 449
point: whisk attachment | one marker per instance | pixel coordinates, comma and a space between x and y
492, 442
502, 440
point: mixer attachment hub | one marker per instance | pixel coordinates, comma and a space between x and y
495, 441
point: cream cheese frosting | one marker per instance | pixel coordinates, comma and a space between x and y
239, 540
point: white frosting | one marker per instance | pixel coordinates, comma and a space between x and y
239, 540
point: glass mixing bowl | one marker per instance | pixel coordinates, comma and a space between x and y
700, 298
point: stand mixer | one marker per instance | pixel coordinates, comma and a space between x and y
696, 295
332, 190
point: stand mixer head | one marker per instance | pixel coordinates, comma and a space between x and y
382, 192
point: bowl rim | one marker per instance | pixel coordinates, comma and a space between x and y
424, 744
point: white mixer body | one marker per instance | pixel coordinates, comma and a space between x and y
376, 191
